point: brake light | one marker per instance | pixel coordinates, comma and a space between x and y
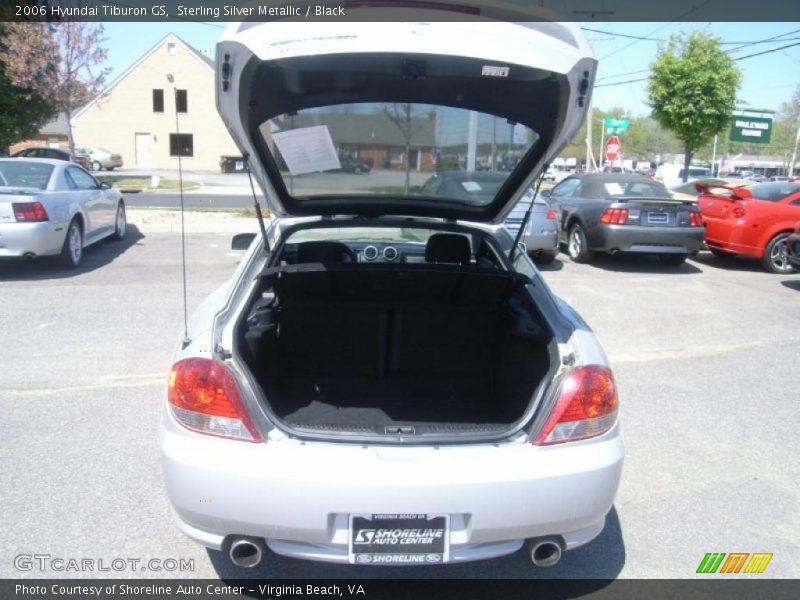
614, 216
695, 219
551, 215
738, 212
587, 406
203, 397
29, 212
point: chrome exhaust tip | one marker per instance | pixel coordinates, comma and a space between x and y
544, 552
245, 553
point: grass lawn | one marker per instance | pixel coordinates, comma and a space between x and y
142, 184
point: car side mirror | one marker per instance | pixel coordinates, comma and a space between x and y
105, 186
545, 194
242, 241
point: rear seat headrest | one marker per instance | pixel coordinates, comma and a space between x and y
450, 248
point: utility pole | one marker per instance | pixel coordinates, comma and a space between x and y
602, 142
794, 152
472, 140
714, 156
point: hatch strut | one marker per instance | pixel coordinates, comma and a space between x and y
524, 225
257, 205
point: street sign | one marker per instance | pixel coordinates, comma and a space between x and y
612, 148
615, 125
745, 128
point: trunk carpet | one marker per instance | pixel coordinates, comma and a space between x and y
370, 402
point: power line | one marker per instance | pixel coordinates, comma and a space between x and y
657, 29
767, 51
738, 58
770, 39
621, 82
654, 39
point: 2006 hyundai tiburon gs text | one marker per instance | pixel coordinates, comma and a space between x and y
386, 378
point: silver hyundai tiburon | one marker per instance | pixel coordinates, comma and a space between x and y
386, 378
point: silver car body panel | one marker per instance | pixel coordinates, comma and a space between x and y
541, 234
96, 209
297, 494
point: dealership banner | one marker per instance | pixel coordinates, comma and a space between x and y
398, 589
750, 128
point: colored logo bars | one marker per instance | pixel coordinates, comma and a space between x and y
736, 562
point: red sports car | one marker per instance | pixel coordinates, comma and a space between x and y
793, 247
753, 220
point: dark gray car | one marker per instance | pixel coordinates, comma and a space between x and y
624, 213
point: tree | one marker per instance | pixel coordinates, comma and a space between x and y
401, 114
22, 111
61, 62
692, 89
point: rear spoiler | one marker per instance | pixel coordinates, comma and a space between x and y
736, 193
626, 199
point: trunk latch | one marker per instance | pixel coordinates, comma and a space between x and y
399, 430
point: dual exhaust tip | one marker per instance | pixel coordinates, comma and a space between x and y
248, 552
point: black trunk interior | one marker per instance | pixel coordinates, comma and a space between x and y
368, 349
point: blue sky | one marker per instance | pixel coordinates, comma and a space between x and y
768, 80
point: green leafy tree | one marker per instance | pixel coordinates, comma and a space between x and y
61, 62
692, 89
23, 111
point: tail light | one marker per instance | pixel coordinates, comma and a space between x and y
695, 219
586, 407
551, 215
203, 397
738, 212
29, 212
615, 216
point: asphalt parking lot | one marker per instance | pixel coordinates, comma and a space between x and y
706, 358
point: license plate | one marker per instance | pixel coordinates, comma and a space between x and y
399, 539
657, 217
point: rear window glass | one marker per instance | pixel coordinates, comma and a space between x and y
397, 150
641, 189
774, 191
25, 174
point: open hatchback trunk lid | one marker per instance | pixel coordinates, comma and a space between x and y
440, 119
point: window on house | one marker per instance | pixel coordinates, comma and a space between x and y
182, 101
158, 101
181, 144
170, 47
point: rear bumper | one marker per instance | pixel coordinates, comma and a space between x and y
728, 235
647, 240
545, 240
110, 163
26, 239
298, 496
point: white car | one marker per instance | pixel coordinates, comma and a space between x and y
385, 379
100, 158
52, 207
